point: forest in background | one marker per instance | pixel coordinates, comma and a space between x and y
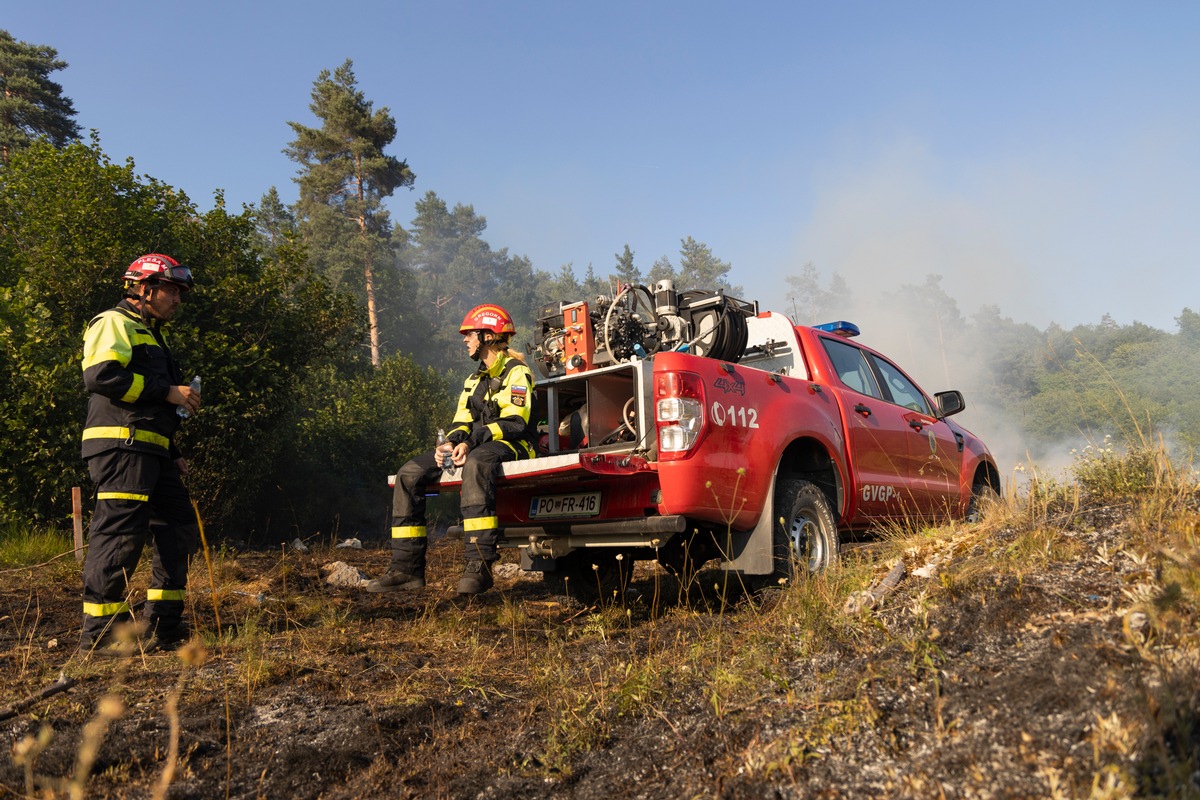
326, 332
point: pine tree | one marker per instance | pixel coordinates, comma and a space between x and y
663, 270
451, 262
627, 273
561, 286
809, 302
344, 177
700, 269
31, 105
455, 270
273, 220
593, 286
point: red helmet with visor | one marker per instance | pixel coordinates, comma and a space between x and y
157, 267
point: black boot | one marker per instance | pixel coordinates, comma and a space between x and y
397, 578
118, 640
476, 577
167, 635
108, 647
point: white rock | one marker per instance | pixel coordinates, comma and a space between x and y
506, 570
1137, 621
930, 570
339, 573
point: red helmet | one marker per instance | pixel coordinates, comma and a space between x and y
487, 317
157, 267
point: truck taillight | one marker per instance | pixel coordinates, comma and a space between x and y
678, 410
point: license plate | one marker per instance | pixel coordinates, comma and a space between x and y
584, 504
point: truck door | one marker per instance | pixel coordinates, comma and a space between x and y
878, 435
934, 451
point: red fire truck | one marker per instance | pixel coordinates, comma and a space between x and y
690, 426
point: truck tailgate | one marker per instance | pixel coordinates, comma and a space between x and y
568, 487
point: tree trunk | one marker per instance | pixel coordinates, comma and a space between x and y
369, 285
368, 272
372, 318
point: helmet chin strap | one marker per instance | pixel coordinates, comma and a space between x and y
485, 345
144, 299
478, 354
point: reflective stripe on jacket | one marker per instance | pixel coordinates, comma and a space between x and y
128, 372
496, 405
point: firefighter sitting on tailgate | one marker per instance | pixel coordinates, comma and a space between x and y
136, 388
492, 425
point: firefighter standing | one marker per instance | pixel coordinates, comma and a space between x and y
136, 391
492, 425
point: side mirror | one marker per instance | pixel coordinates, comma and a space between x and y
949, 403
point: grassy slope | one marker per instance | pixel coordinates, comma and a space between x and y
1050, 650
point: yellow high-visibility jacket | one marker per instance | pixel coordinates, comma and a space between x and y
128, 371
496, 405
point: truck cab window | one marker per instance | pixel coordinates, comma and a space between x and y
902, 391
852, 367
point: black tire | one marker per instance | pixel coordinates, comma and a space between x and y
804, 534
685, 554
982, 494
592, 576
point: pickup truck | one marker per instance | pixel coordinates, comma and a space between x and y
688, 426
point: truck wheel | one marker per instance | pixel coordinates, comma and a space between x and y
685, 554
981, 495
592, 576
805, 537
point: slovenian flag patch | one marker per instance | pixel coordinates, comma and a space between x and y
517, 393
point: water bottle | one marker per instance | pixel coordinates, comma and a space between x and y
182, 410
447, 459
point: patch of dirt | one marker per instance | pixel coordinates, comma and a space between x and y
1002, 683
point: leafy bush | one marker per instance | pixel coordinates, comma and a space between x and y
351, 430
1104, 474
70, 221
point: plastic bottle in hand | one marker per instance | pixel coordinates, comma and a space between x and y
195, 387
447, 459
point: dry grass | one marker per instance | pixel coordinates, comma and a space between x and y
1092, 579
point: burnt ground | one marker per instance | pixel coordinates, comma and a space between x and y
1018, 666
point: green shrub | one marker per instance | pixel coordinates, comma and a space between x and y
1105, 474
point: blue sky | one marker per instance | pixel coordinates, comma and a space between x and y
1042, 157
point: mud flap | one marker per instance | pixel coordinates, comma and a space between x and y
752, 552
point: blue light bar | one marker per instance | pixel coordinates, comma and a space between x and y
839, 328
